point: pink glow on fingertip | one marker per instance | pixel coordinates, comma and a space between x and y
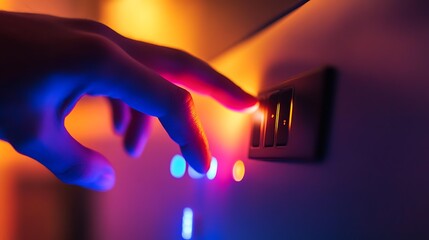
251, 109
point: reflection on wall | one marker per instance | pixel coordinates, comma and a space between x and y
47, 209
203, 28
35, 205
65, 8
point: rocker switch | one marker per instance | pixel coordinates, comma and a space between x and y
285, 117
271, 117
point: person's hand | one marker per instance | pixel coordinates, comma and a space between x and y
48, 63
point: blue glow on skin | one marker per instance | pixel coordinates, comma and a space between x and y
194, 174
187, 223
177, 166
211, 174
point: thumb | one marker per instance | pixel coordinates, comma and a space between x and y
66, 158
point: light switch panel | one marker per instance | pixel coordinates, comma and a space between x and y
292, 121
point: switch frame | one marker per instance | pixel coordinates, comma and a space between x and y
311, 107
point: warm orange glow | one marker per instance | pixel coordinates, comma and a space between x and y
290, 114
69, 8
251, 109
134, 18
259, 115
158, 22
277, 118
90, 120
10, 161
238, 171
5, 205
4, 4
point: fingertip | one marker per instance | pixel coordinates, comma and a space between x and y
119, 129
240, 102
251, 109
135, 141
133, 150
104, 182
199, 159
137, 134
96, 174
120, 115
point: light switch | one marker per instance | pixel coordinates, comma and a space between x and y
295, 121
256, 131
285, 117
272, 118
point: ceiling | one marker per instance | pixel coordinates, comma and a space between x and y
204, 28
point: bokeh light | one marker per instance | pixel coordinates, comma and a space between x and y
211, 174
238, 171
177, 166
187, 223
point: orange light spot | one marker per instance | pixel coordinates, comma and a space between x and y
238, 171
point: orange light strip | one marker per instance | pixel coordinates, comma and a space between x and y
290, 114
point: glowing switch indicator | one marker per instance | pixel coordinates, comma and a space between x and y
285, 117
238, 171
187, 223
177, 166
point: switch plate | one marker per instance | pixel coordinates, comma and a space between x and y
291, 123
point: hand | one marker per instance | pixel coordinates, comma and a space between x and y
48, 63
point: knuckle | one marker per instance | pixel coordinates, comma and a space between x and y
95, 48
88, 50
181, 61
92, 26
180, 102
182, 98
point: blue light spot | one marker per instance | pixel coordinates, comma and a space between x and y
211, 174
177, 166
187, 223
194, 174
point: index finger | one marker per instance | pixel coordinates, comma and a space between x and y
190, 72
177, 66
124, 78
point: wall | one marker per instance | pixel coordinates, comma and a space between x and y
373, 182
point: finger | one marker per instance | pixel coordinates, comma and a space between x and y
67, 159
190, 72
120, 114
137, 133
184, 127
145, 91
176, 66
